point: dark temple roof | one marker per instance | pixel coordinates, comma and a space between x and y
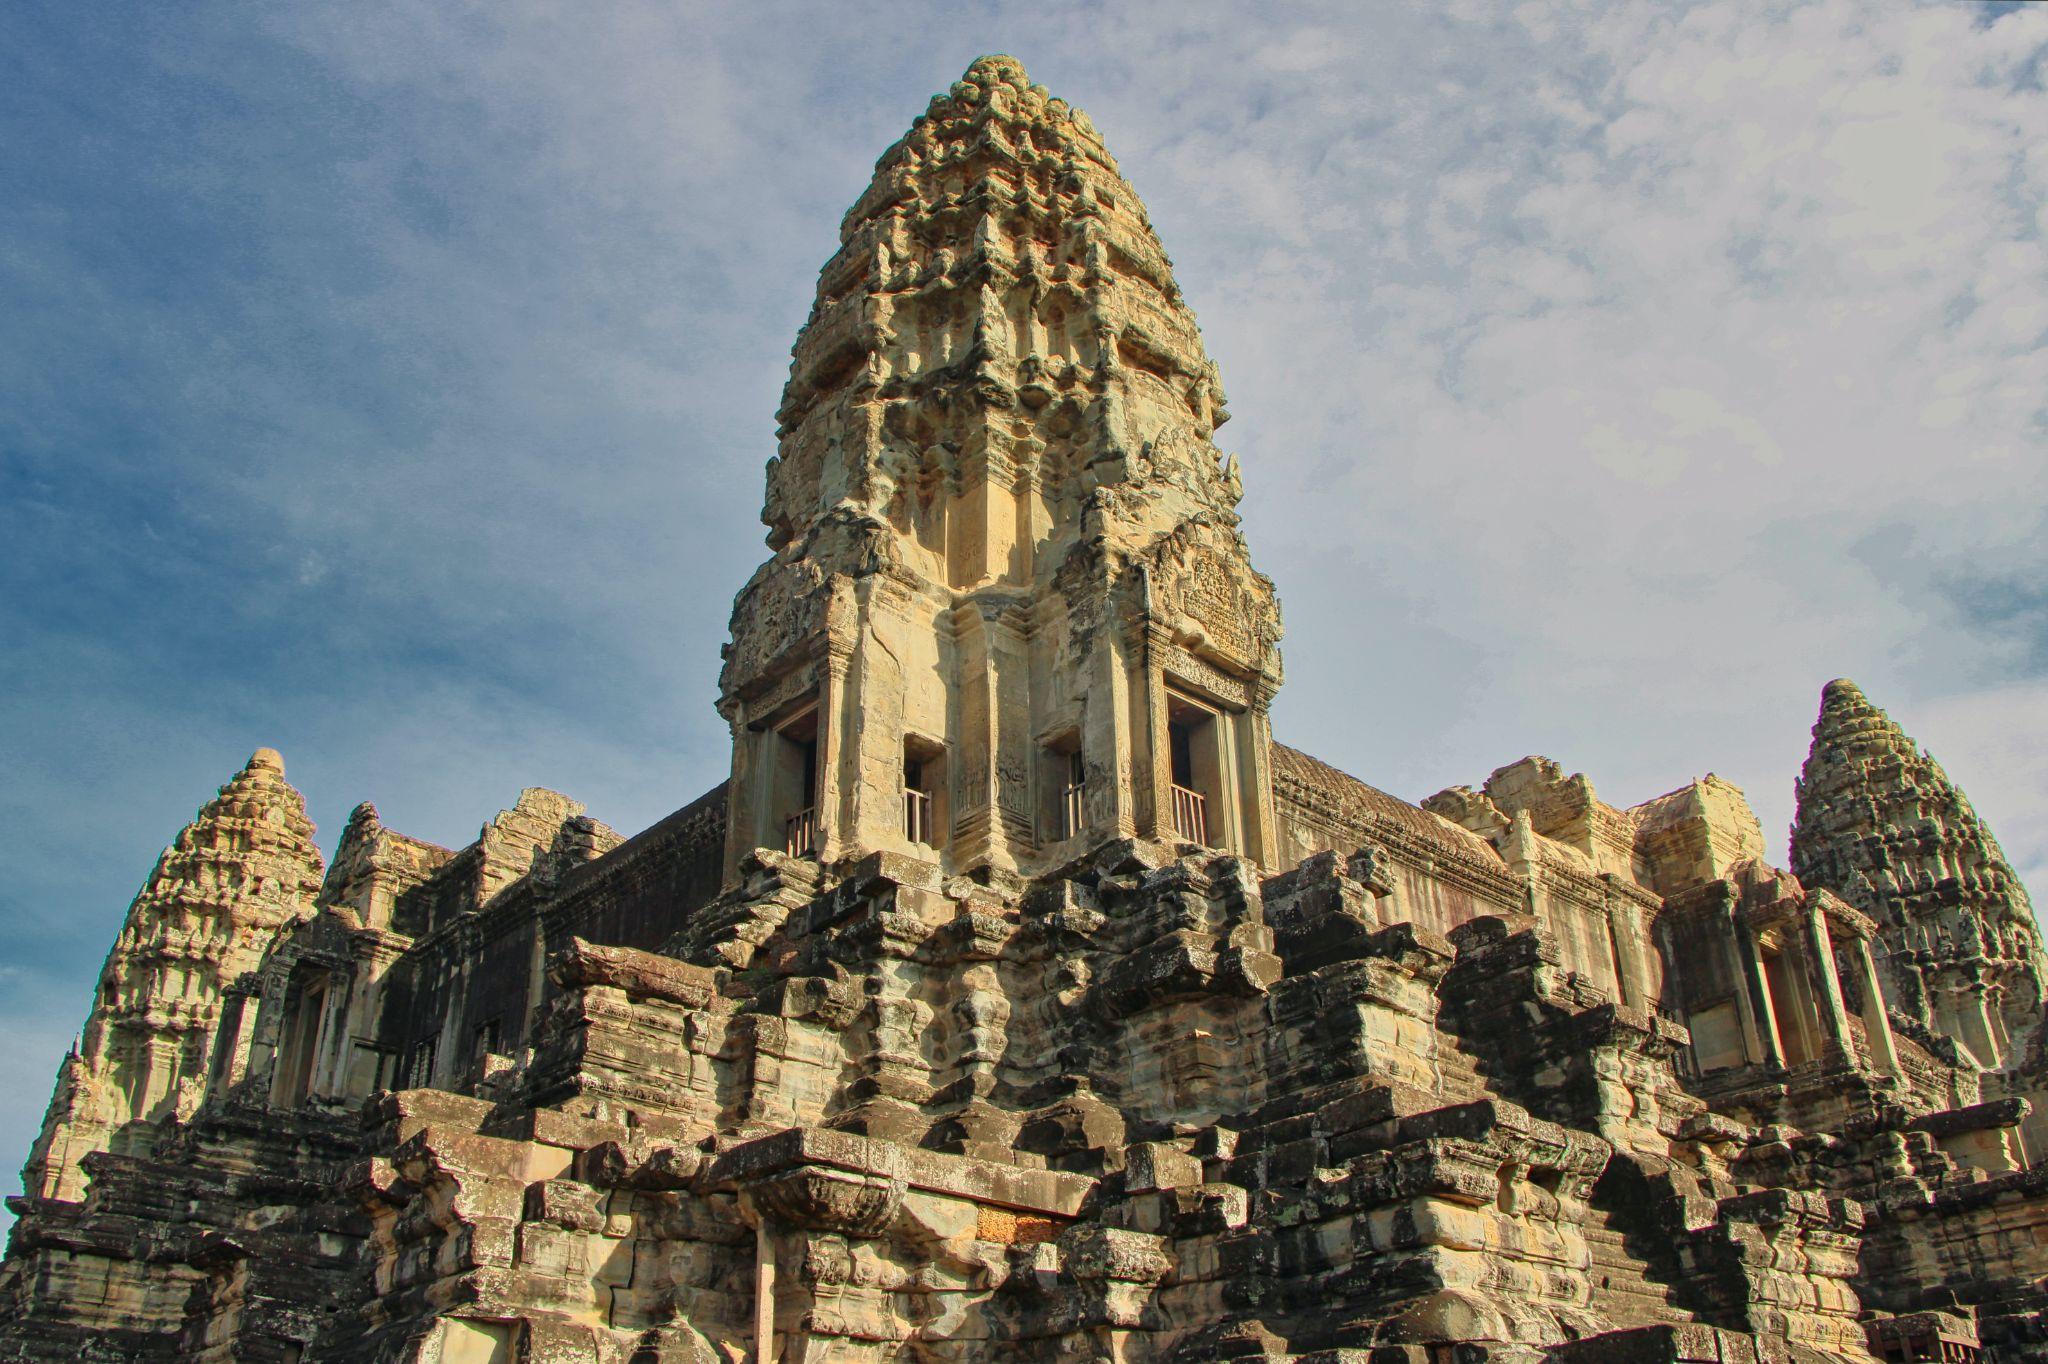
1369, 807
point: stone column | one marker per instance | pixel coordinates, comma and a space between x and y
1877, 1024
160, 1055
1110, 745
1152, 749
992, 796
764, 1291
1973, 1019
1752, 993
264, 1037
1994, 1007
332, 1039
1226, 821
982, 532
747, 794
1255, 762
838, 759
1834, 1015
974, 775
1800, 1013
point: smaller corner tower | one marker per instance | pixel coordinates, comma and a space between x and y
1880, 824
234, 878
1009, 609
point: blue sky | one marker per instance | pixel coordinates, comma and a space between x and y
391, 385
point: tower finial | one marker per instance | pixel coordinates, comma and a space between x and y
993, 66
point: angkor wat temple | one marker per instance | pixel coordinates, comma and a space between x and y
1018, 997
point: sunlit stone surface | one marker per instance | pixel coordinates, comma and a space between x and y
1018, 997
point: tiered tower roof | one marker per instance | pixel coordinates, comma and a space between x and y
245, 866
1880, 824
998, 263
243, 869
1878, 816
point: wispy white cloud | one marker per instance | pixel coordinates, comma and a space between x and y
1704, 346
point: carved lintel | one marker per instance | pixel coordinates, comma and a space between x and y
815, 1198
1198, 675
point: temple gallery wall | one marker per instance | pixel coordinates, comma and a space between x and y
1019, 995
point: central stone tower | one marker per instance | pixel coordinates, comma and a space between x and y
1009, 611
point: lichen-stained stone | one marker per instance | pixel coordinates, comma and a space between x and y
1018, 998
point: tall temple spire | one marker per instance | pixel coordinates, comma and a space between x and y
241, 871
1880, 824
1009, 605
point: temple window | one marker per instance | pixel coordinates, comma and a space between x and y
1621, 991
1073, 796
923, 773
1717, 1041
371, 1067
1063, 788
1788, 1004
793, 779
1194, 738
419, 1067
303, 1019
221, 1064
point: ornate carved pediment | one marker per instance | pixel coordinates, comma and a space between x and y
1214, 603
782, 605
1181, 456
790, 614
